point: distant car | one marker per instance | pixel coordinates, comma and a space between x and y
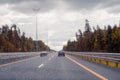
43, 54
61, 53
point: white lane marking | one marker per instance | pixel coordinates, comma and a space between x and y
49, 59
52, 56
40, 65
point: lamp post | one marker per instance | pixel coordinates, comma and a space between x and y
47, 39
36, 11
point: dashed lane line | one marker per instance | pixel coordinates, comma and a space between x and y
40, 65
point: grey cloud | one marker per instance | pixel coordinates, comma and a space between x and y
82, 4
27, 6
115, 9
20, 1
58, 37
89, 5
56, 43
110, 3
11, 1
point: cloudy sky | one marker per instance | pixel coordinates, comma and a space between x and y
58, 20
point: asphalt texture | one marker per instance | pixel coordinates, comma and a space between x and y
52, 67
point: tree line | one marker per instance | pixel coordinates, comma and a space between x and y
11, 40
96, 40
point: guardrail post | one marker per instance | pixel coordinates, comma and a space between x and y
111, 64
103, 62
97, 61
118, 65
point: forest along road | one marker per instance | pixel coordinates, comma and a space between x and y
52, 67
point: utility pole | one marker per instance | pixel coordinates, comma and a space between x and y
36, 10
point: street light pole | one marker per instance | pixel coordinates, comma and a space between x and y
36, 28
47, 38
36, 11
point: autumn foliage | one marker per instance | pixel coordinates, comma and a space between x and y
11, 40
97, 40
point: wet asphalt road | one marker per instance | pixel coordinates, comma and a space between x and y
52, 67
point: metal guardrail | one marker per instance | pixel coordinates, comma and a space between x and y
109, 59
13, 55
110, 55
10, 57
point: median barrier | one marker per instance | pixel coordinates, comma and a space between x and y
11, 57
111, 62
119, 65
104, 62
97, 61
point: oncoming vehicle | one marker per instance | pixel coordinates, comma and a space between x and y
61, 53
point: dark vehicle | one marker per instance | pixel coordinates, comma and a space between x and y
43, 54
61, 53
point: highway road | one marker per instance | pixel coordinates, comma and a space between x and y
52, 67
